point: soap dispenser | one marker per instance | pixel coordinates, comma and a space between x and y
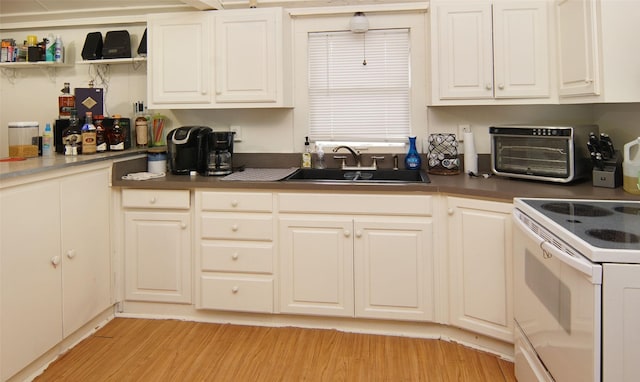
306, 154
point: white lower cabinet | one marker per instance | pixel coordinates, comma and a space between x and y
55, 263
337, 260
157, 245
480, 263
234, 251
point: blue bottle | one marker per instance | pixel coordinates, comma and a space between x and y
412, 161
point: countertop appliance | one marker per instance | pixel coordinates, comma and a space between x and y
183, 146
216, 152
547, 153
576, 290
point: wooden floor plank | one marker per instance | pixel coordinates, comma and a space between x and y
169, 350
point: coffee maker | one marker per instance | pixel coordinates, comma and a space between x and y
216, 152
184, 145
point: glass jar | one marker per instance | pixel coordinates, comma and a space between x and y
23, 139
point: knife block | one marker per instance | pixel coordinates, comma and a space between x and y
610, 175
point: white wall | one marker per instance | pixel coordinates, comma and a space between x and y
32, 95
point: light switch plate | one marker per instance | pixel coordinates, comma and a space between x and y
238, 133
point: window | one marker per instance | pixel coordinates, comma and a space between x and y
359, 86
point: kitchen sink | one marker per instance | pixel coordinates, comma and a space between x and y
360, 176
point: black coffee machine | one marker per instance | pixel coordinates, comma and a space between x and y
183, 147
215, 153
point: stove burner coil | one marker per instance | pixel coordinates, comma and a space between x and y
614, 236
576, 209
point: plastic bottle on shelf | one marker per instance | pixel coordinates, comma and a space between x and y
59, 50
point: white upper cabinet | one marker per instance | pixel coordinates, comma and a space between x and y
179, 59
596, 62
222, 59
490, 52
247, 58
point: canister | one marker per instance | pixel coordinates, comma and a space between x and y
23, 139
157, 160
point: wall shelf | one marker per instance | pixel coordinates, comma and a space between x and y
8, 69
112, 61
37, 64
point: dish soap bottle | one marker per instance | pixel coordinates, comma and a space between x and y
306, 155
412, 161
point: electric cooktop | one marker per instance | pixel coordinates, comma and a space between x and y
599, 229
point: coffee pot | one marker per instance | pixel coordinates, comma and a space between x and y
216, 153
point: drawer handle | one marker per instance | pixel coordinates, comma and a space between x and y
235, 289
153, 200
55, 261
234, 256
234, 203
71, 253
234, 227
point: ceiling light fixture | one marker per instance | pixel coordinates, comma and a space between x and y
359, 23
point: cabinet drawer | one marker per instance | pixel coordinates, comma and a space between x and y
178, 199
237, 201
231, 226
237, 257
237, 293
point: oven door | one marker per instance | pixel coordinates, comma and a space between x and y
557, 305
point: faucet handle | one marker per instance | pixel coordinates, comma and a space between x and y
343, 158
375, 160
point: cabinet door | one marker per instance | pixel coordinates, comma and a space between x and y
157, 256
481, 267
577, 48
86, 262
394, 268
621, 313
521, 46
30, 271
316, 259
178, 62
465, 51
247, 47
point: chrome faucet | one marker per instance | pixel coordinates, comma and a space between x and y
355, 154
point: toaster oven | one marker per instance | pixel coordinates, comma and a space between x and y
547, 153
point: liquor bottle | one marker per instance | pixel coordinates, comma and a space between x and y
142, 126
66, 102
116, 137
72, 135
101, 135
88, 135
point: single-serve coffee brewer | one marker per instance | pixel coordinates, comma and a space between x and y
216, 151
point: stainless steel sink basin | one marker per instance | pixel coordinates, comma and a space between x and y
363, 176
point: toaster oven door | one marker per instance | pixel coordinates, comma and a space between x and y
541, 158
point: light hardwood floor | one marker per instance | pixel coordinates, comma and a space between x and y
129, 349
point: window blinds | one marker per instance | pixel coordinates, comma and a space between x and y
359, 85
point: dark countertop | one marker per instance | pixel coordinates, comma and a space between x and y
37, 165
494, 187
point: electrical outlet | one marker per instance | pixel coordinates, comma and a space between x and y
237, 137
461, 130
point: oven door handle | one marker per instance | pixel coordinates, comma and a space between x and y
593, 271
